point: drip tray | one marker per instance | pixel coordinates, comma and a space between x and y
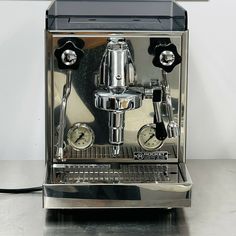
116, 173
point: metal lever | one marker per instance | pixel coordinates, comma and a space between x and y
68, 58
160, 126
62, 121
172, 127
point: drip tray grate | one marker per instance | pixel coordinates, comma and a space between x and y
123, 173
101, 152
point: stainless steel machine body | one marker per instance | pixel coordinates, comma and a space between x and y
116, 94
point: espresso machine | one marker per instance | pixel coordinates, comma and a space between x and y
116, 94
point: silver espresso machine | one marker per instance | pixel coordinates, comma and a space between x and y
116, 94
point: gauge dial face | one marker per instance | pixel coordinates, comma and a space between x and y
80, 136
147, 138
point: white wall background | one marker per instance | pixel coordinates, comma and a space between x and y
212, 80
22, 79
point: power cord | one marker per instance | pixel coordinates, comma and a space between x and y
21, 190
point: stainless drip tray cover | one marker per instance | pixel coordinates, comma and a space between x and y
111, 174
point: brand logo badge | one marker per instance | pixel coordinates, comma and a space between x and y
150, 156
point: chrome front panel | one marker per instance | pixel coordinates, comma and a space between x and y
80, 108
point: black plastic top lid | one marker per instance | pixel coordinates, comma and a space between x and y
164, 15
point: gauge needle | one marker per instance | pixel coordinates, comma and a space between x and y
149, 138
79, 137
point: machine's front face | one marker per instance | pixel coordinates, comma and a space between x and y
116, 118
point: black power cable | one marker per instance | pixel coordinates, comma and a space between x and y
21, 190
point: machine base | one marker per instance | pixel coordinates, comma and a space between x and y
129, 186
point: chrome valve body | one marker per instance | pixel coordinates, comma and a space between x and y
117, 73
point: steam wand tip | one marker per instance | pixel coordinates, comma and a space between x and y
115, 150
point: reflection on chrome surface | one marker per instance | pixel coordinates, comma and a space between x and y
116, 222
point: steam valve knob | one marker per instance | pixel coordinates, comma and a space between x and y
166, 57
69, 56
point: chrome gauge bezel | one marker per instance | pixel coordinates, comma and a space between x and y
77, 126
153, 126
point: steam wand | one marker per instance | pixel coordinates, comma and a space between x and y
62, 121
172, 127
68, 57
167, 58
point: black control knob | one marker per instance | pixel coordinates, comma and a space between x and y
166, 57
69, 55
161, 133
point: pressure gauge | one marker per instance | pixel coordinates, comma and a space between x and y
80, 136
147, 138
